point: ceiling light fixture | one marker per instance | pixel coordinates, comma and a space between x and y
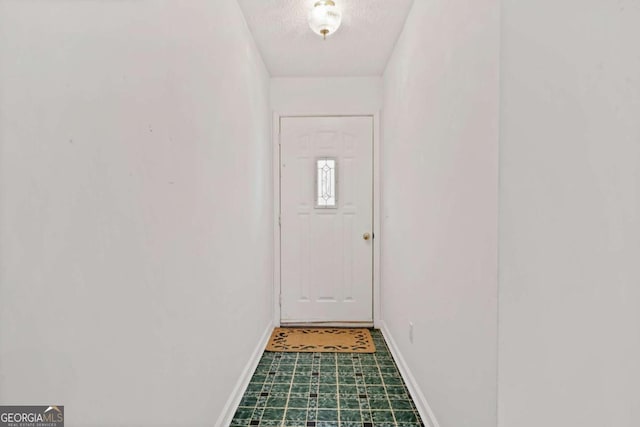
325, 18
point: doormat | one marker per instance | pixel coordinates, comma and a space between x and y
321, 340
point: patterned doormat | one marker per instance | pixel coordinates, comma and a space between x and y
321, 340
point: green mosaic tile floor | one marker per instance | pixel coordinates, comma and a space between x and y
327, 390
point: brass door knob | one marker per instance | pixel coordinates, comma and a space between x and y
366, 236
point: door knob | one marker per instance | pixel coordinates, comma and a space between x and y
366, 236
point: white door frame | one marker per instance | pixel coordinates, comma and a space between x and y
276, 209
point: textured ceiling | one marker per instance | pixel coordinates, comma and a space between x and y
361, 47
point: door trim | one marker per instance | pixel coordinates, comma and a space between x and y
377, 306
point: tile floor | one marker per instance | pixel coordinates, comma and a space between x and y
327, 390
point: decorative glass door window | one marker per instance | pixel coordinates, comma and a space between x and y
326, 183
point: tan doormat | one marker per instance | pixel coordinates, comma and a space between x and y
321, 340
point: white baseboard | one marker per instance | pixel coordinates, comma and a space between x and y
238, 391
427, 415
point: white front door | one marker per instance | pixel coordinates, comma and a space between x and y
326, 208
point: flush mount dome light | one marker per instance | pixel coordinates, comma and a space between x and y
324, 18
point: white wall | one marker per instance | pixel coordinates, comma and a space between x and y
331, 95
569, 214
136, 208
439, 231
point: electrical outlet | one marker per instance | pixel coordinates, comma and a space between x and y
411, 332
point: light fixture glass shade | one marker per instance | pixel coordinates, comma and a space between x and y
325, 18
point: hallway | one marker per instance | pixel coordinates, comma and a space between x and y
142, 214
327, 390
